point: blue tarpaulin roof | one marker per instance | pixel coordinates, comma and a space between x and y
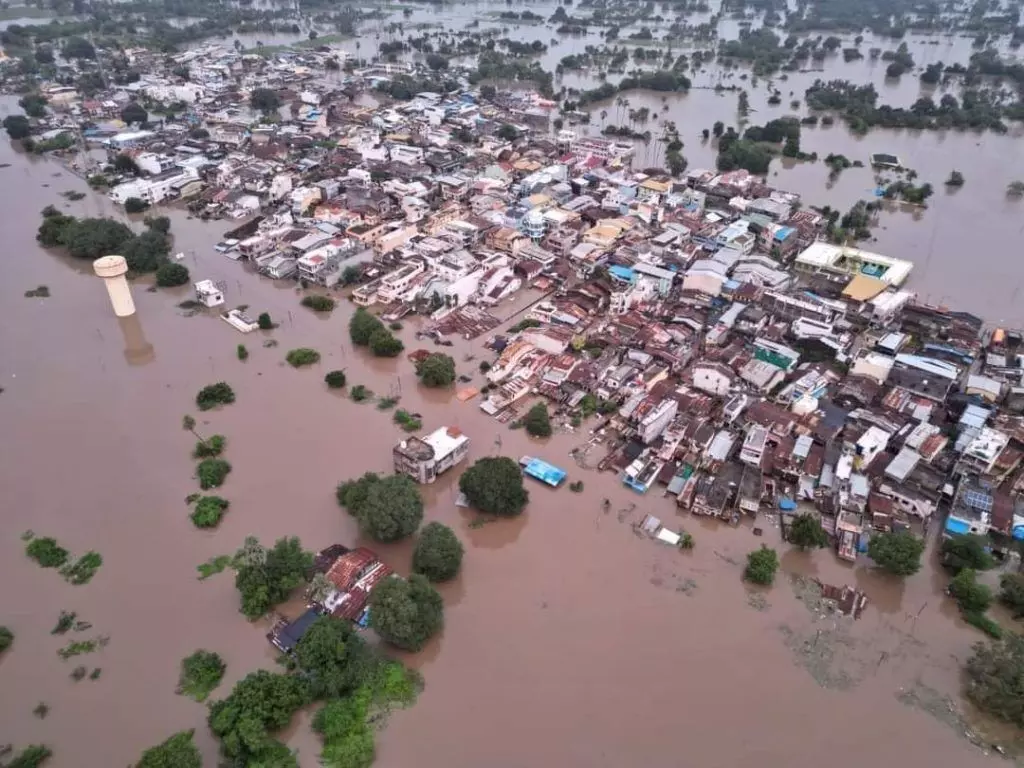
623, 273
546, 473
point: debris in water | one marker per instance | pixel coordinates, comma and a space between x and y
41, 710
40, 292
758, 602
943, 708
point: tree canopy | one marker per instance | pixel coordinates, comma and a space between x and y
176, 752
995, 678
171, 275
260, 704
438, 553
333, 657
387, 508
362, 326
265, 100
406, 612
201, 672
437, 370
17, 126
494, 485
761, 566
806, 532
79, 48
1011, 593
971, 596
383, 343
133, 112
898, 552
213, 395
966, 551
537, 421
265, 577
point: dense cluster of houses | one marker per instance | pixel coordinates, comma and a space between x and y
744, 362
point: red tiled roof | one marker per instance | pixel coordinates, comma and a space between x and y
346, 569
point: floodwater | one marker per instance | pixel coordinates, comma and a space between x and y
568, 640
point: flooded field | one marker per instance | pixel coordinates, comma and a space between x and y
569, 640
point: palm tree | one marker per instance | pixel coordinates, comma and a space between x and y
604, 116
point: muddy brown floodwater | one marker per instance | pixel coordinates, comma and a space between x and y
569, 641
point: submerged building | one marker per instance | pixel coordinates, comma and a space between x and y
423, 459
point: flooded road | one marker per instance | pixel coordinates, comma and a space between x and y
568, 640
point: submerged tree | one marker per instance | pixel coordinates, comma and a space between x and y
178, 751
897, 552
806, 532
438, 553
265, 578
761, 566
406, 612
494, 486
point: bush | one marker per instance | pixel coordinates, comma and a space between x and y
437, 371
83, 569
264, 321
438, 553
242, 352
47, 552
171, 275
406, 612
484, 366
360, 394
6, 639
363, 326
898, 553
209, 511
212, 472
384, 344
201, 672
335, 379
303, 356
176, 752
995, 678
537, 421
206, 449
984, 623
576, 487
761, 566
971, 596
135, 205
31, 757
494, 486
213, 395
407, 421
318, 303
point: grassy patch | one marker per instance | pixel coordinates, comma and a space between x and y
387, 403
82, 647
407, 421
206, 449
301, 357
360, 394
212, 473
47, 552
213, 566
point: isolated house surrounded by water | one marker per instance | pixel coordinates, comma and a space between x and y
423, 459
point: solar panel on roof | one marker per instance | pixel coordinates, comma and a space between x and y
978, 500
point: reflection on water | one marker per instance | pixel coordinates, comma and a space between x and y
137, 351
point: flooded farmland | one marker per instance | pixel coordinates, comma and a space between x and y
568, 640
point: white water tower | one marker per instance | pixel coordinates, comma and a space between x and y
113, 270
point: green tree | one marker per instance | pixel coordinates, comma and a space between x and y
78, 48
507, 132
352, 493
761, 566
47, 552
176, 752
1011, 593
494, 486
133, 112
437, 370
213, 395
956, 179
171, 275
265, 100
260, 704
161, 224
966, 551
125, 164
972, 596
898, 552
17, 126
265, 578
995, 678
348, 739
333, 658
147, 252
406, 612
34, 104
264, 321
383, 343
335, 379
318, 303
208, 512
438, 553
362, 326
806, 532
201, 672
537, 421
92, 238
6, 639
675, 162
212, 473
392, 509
488, 92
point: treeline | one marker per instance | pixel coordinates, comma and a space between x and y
664, 81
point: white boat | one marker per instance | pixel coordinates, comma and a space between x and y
179, 255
